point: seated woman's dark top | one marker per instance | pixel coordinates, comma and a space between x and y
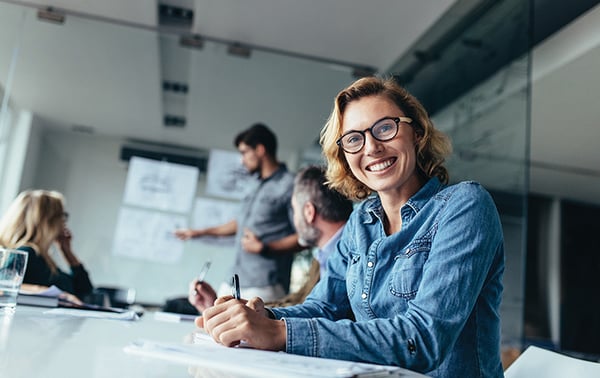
38, 273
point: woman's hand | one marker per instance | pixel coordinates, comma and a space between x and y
233, 322
64, 239
64, 243
70, 298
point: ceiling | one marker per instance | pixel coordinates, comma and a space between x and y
106, 77
122, 97
353, 31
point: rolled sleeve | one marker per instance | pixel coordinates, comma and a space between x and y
302, 337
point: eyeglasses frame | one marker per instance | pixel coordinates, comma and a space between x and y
396, 120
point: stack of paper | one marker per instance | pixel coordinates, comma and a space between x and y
52, 297
124, 315
259, 363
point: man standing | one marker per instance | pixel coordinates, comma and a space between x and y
320, 214
265, 238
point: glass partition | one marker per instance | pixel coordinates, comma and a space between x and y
490, 138
475, 81
92, 87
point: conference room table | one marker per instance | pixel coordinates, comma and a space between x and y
35, 342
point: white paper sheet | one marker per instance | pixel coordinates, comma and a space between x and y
538, 362
160, 185
174, 317
259, 363
126, 315
226, 177
51, 291
209, 212
148, 235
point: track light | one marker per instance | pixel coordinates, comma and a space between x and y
51, 15
240, 50
194, 41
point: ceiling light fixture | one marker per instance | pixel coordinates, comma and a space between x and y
194, 41
240, 50
175, 17
51, 15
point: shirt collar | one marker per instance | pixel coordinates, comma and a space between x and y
331, 242
280, 171
374, 210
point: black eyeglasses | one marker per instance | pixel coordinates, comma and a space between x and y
383, 130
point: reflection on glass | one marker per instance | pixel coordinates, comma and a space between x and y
477, 89
91, 86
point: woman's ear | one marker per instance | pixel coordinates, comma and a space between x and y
417, 139
418, 135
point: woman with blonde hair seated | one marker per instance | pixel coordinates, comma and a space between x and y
34, 221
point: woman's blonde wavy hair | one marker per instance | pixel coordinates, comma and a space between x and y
432, 149
33, 219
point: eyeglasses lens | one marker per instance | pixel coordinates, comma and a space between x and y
383, 130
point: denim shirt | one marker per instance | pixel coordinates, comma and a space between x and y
426, 298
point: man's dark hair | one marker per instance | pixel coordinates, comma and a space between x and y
310, 186
258, 134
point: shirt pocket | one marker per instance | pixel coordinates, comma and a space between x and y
269, 209
408, 269
352, 273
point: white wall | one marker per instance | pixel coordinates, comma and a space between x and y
14, 155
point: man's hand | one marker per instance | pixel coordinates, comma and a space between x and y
251, 243
185, 233
201, 295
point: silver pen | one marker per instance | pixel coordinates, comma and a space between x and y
203, 272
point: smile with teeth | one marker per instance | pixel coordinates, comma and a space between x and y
381, 165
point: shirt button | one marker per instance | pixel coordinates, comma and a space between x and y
364, 296
407, 251
370, 264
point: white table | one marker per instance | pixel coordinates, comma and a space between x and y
34, 344
37, 344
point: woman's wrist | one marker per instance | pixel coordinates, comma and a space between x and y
72, 260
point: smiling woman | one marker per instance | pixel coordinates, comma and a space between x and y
419, 265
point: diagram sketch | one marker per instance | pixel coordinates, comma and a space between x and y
226, 177
210, 212
148, 235
160, 185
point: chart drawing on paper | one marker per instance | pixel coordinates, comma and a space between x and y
160, 185
210, 212
226, 177
148, 235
